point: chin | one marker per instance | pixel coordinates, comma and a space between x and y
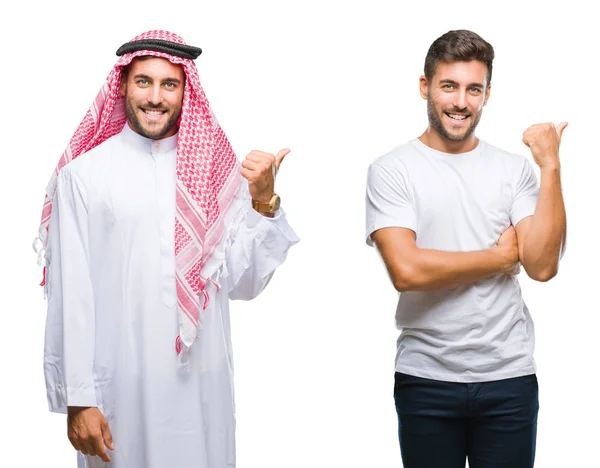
457, 137
154, 133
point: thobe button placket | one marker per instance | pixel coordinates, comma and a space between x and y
164, 170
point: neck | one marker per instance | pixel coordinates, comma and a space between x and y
433, 139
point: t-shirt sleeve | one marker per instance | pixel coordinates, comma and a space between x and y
525, 194
389, 203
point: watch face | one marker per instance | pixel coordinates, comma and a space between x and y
276, 204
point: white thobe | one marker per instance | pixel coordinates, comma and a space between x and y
112, 307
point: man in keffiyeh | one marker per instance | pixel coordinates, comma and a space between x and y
149, 227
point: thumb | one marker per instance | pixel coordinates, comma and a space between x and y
560, 128
279, 156
107, 436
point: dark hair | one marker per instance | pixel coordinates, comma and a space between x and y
126, 68
459, 46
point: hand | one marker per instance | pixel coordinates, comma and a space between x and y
88, 432
544, 142
260, 169
509, 249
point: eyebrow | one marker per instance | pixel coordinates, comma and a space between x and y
166, 80
470, 85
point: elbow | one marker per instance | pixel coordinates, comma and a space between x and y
544, 275
404, 279
542, 267
247, 290
401, 286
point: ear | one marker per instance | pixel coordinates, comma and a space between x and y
423, 85
487, 93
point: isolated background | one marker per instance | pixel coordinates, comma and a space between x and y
337, 82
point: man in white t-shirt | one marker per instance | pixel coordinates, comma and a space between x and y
453, 218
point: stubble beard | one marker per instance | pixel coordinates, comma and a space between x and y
436, 123
132, 118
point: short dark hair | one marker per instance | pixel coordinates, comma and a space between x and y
126, 68
459, 46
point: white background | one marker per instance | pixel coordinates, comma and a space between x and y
337, 82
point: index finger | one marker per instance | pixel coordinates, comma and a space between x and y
262, 154
101, 449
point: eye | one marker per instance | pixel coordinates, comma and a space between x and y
475, 90
142, 82
170, 85
447, 86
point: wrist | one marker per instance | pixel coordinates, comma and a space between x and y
268, 207
550, 168
74, 410
505, 257
264, 198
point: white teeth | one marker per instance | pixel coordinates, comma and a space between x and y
457, 116
153, 112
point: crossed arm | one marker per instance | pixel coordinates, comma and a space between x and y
538, 243
415, 269
543, 236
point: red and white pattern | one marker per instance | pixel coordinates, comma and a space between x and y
208, 176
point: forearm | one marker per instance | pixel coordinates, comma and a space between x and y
69, 341
543, 246
69, 345
260, 246
430, 270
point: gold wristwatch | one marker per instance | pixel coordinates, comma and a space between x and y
267, 207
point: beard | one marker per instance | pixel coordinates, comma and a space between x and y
437, 124
156, 134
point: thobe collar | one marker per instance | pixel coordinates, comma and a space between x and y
147, 145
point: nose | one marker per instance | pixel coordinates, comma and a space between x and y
154, 95
460, 99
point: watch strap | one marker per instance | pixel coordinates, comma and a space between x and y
267, 207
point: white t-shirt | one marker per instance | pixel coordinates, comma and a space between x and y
457, 202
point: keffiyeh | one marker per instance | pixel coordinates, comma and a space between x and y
208, 175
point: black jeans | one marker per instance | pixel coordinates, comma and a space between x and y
442, 423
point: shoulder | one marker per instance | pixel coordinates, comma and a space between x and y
391, 170
398, 158
82, 165
504, 157
396, 166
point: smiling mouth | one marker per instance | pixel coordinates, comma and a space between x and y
457, 117
153, 116
153, 112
